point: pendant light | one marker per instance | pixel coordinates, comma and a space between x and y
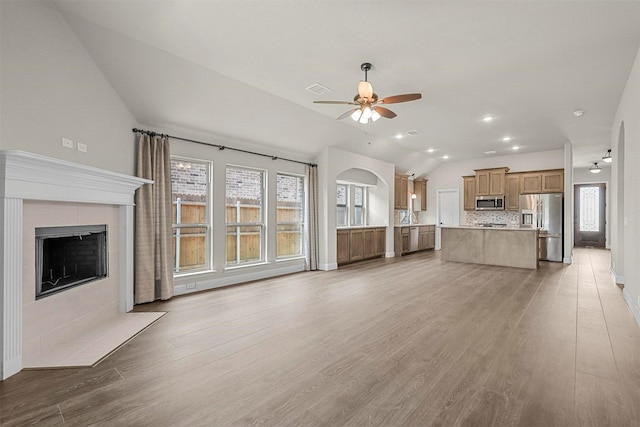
595, 168
607, 157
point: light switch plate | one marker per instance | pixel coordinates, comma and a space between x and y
67, 143
82, 147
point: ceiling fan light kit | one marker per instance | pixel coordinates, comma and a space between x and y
595, 168
366, 101
607, 157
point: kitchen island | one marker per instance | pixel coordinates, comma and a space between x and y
504, 246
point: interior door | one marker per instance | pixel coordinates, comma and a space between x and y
448, 211
589, 215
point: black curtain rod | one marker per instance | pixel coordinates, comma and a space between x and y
221, 147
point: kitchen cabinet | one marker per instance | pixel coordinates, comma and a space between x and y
469, 192
380, 241
343, 246
490, 182
420, 190
512, 193
357, 244
426, 236
531, 183
553, 181
548, 181
401, 191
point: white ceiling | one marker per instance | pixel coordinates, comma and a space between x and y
239, 69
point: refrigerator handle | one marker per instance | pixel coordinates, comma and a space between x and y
541, 213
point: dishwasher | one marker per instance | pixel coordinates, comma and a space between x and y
413, 239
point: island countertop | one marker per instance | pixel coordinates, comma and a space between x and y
509, 247
493, 227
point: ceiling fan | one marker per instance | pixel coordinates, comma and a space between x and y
367, 102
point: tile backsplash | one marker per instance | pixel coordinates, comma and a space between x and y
492, 217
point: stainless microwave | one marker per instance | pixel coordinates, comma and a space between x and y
489, 203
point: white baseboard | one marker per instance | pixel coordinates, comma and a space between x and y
619, 279
10, 367
634, 308
328, 266
234, 279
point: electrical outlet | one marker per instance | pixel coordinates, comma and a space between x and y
67, 143
82, 147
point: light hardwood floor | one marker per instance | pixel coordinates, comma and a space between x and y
410, 341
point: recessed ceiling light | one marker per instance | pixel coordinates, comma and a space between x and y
578, 113
515, 147
399, 136
445, 157
490, 152
487, 119
506, 139
430, 150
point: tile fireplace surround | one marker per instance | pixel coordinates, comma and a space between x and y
39, 191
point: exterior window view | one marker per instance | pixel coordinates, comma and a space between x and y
244, 215
320, 213
190, 213
290, 216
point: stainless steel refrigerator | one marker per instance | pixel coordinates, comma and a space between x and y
544, 212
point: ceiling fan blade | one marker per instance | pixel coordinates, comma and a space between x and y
347, 114
400, 98
385, 112
335, 102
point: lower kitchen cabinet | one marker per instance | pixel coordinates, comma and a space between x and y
426, 239
357, 244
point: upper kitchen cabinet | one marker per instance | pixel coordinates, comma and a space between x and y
553, 181
469, 192
401, 191
420, 190
549, 181
512, 193
490, 182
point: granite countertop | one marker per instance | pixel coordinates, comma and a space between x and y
498, 228
410, 225
361, 226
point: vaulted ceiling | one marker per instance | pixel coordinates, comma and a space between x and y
240, 69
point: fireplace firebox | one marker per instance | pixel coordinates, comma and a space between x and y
69, 256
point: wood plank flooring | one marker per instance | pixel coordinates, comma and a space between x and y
408, 341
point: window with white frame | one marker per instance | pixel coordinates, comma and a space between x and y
190, 195
290, 216
351, 205
342, 211
245, 219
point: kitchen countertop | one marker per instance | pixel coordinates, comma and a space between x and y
355, 227
498, 228
410, 225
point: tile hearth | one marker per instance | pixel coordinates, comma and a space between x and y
90, 347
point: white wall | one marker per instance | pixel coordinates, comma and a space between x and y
583, 176
627, 224
331, 163
51, 88
449, 175
223, 276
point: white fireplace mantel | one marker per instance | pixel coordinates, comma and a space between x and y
28, 176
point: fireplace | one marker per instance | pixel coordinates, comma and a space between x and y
69, 256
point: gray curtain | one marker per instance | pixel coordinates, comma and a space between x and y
312, 248
153, 277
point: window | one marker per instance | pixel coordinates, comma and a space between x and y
341, 205
358, 205
245, 215
290, 216
190, 184
351, 205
